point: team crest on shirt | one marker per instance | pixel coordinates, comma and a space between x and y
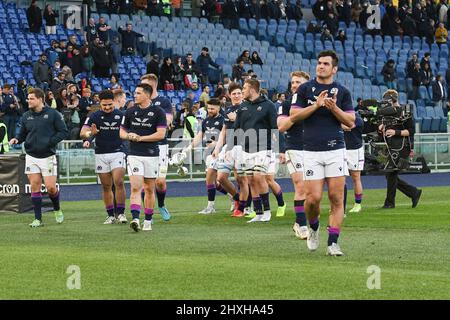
116, 117
309, 173
313, 89
259, 108
110, 124
150, 114
142, 120
157, 103
334, 91
46, 116
99, 168
216, 123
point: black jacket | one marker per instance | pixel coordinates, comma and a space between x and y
437, 94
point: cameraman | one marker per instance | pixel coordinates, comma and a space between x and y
398, 134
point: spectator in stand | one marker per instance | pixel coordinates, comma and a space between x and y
67, 56
430, 32
114, 82
61, 98
73, 42
409, 25
140, 6
166, 75
294, 11
90, 31
86, 104
442, 11
41, 72
153, 65
343, 10
425, 60
22, 95
439, 93
191, 70
50, 20
58, 83
274, 10
256, 59
204, 97
265, 12
103, 30
177, 6
87, 61
441, 35
403, 10
34, 17
389, 74
326, 35
426, 75
244, 9
11, 109
203, 62
332, 23
255, 10
230, 14
319, 9
75, 121
245, 56
113, 7
238, 72
116, 49
178, 73
129, 39
56, 69
102, 60
411, 64
101, 7
77, 62
355, 13
341, 36
126, 7
416, 81
50, 99
153, 8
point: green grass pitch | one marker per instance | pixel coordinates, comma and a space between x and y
219, 257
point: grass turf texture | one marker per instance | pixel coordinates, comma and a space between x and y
219, 257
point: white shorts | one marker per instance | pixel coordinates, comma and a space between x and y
47, 167
211, 163
273, 164
249, 163
107, 162
142, 166
163, 160
355, 159
226, 160
294, 161
318, 165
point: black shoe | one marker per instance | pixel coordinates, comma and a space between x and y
388, 206
415, 199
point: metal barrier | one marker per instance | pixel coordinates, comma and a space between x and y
77, 165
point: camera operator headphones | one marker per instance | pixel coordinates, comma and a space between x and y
391, 94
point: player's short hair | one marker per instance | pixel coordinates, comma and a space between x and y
150, 77
391, 94
234, 86
330, 53
118, 93
6, 86
214, 102
253, 83
106, 95
85, 90
38, 93
300, 74
146, 87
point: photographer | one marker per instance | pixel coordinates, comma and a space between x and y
398, 136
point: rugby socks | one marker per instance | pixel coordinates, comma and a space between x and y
242, 205
345, 197
211, 192
135, 211
110, 210
36, 199
142, 194
299, 210
221, 189
314, 223
358, 198
161, 195
236, 196
55, 200
279, 197
148, 214
120, 209
257, 205
265, 201
249, 199
333, 235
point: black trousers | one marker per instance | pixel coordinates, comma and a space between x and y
394, 183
